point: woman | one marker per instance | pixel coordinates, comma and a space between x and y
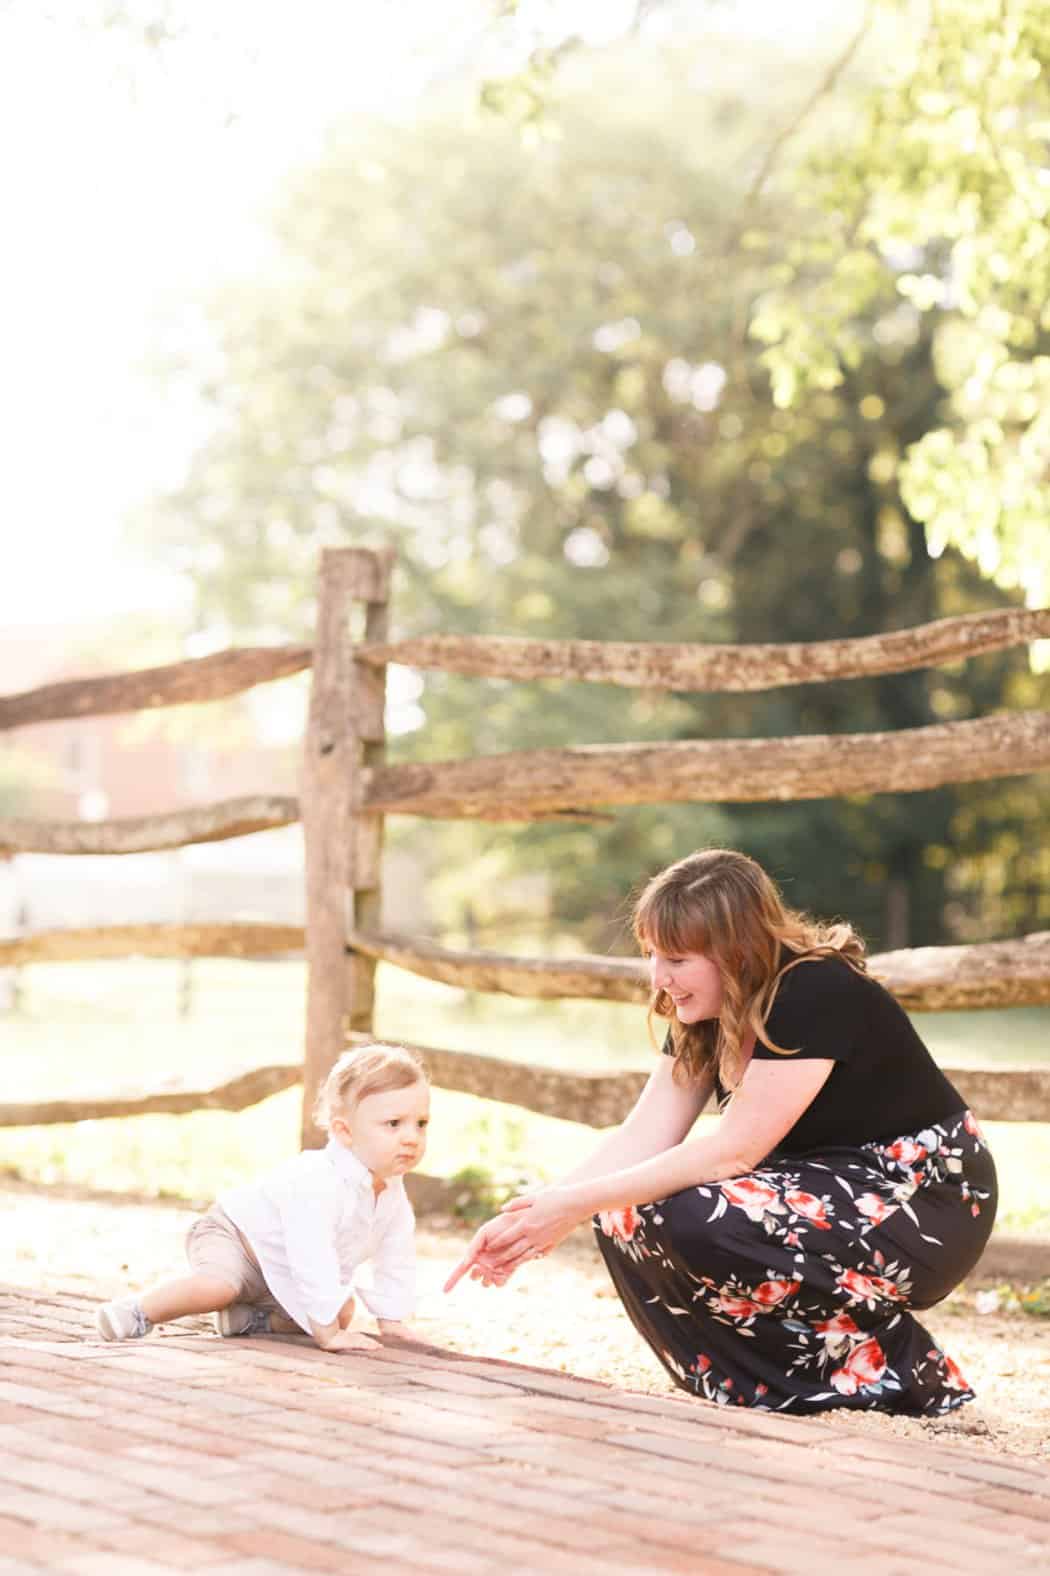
775, 1262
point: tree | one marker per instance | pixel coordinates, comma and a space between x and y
944, 193
527, 366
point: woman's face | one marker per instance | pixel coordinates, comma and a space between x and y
690, 979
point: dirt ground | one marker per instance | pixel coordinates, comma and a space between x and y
556, 1313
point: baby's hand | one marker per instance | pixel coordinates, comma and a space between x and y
349, 1341
397, 1330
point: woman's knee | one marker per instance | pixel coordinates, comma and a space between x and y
684, 1226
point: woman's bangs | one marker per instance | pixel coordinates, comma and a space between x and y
670, 925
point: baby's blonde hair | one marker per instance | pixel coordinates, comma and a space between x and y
365, 1070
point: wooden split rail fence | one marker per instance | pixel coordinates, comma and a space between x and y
348, 788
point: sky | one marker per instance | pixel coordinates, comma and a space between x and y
142, 180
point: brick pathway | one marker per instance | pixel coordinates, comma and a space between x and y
271, 1458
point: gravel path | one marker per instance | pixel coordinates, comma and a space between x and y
558, 1313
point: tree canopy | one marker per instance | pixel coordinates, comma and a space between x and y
945, 192
530, 367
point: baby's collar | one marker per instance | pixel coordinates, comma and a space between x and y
347, 1164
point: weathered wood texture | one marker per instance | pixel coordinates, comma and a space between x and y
595, 1099
237, 939
365, 876
234, 1095
519, 784
601, 979
928, 979
718, 668
206, 823
1005, 1094
960, 979
342, 854
601, 1099
651, 665
176, 684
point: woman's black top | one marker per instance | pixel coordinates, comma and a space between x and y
884, 1083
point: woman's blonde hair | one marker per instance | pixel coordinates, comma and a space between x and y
365, 1070
721, 903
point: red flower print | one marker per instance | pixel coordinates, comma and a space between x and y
841, 1324
874, 1207
702, 1364
772, 1292
952, 1377
622, 1223
808, 1205
750, 1195
737, 1307
864, 1366
885, 1287
906, 1150
972, 1126
867, 1288
761, 1389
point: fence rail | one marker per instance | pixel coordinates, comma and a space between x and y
533, 785
647, 665
195, 679
597, 1099
527, 784
924, 979
714, 668
206, 823
230, 939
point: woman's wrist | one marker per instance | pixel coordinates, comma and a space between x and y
578, 1198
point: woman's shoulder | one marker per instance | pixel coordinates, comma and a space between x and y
826, 985
818, 1010
821, 976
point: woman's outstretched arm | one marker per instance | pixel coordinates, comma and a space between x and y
771, 1098
661, 1117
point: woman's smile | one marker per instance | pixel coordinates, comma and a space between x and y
692, 981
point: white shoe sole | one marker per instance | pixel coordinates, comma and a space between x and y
109, 1329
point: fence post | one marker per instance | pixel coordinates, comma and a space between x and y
343, 846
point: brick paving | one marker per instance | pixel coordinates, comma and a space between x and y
267, 1457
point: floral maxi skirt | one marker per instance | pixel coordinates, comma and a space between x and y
791, 1288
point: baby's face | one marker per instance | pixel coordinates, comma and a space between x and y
388, 1132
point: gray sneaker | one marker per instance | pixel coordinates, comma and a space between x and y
242, 1318
122, 1320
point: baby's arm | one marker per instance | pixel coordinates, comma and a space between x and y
343, 1340
308, 1216
391, 1298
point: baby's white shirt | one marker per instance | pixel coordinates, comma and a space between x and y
314, 1221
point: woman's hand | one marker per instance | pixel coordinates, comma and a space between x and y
528, 1227
481, 1256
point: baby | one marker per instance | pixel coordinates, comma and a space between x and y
281, 1253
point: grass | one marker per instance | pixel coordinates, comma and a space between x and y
92, 1028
